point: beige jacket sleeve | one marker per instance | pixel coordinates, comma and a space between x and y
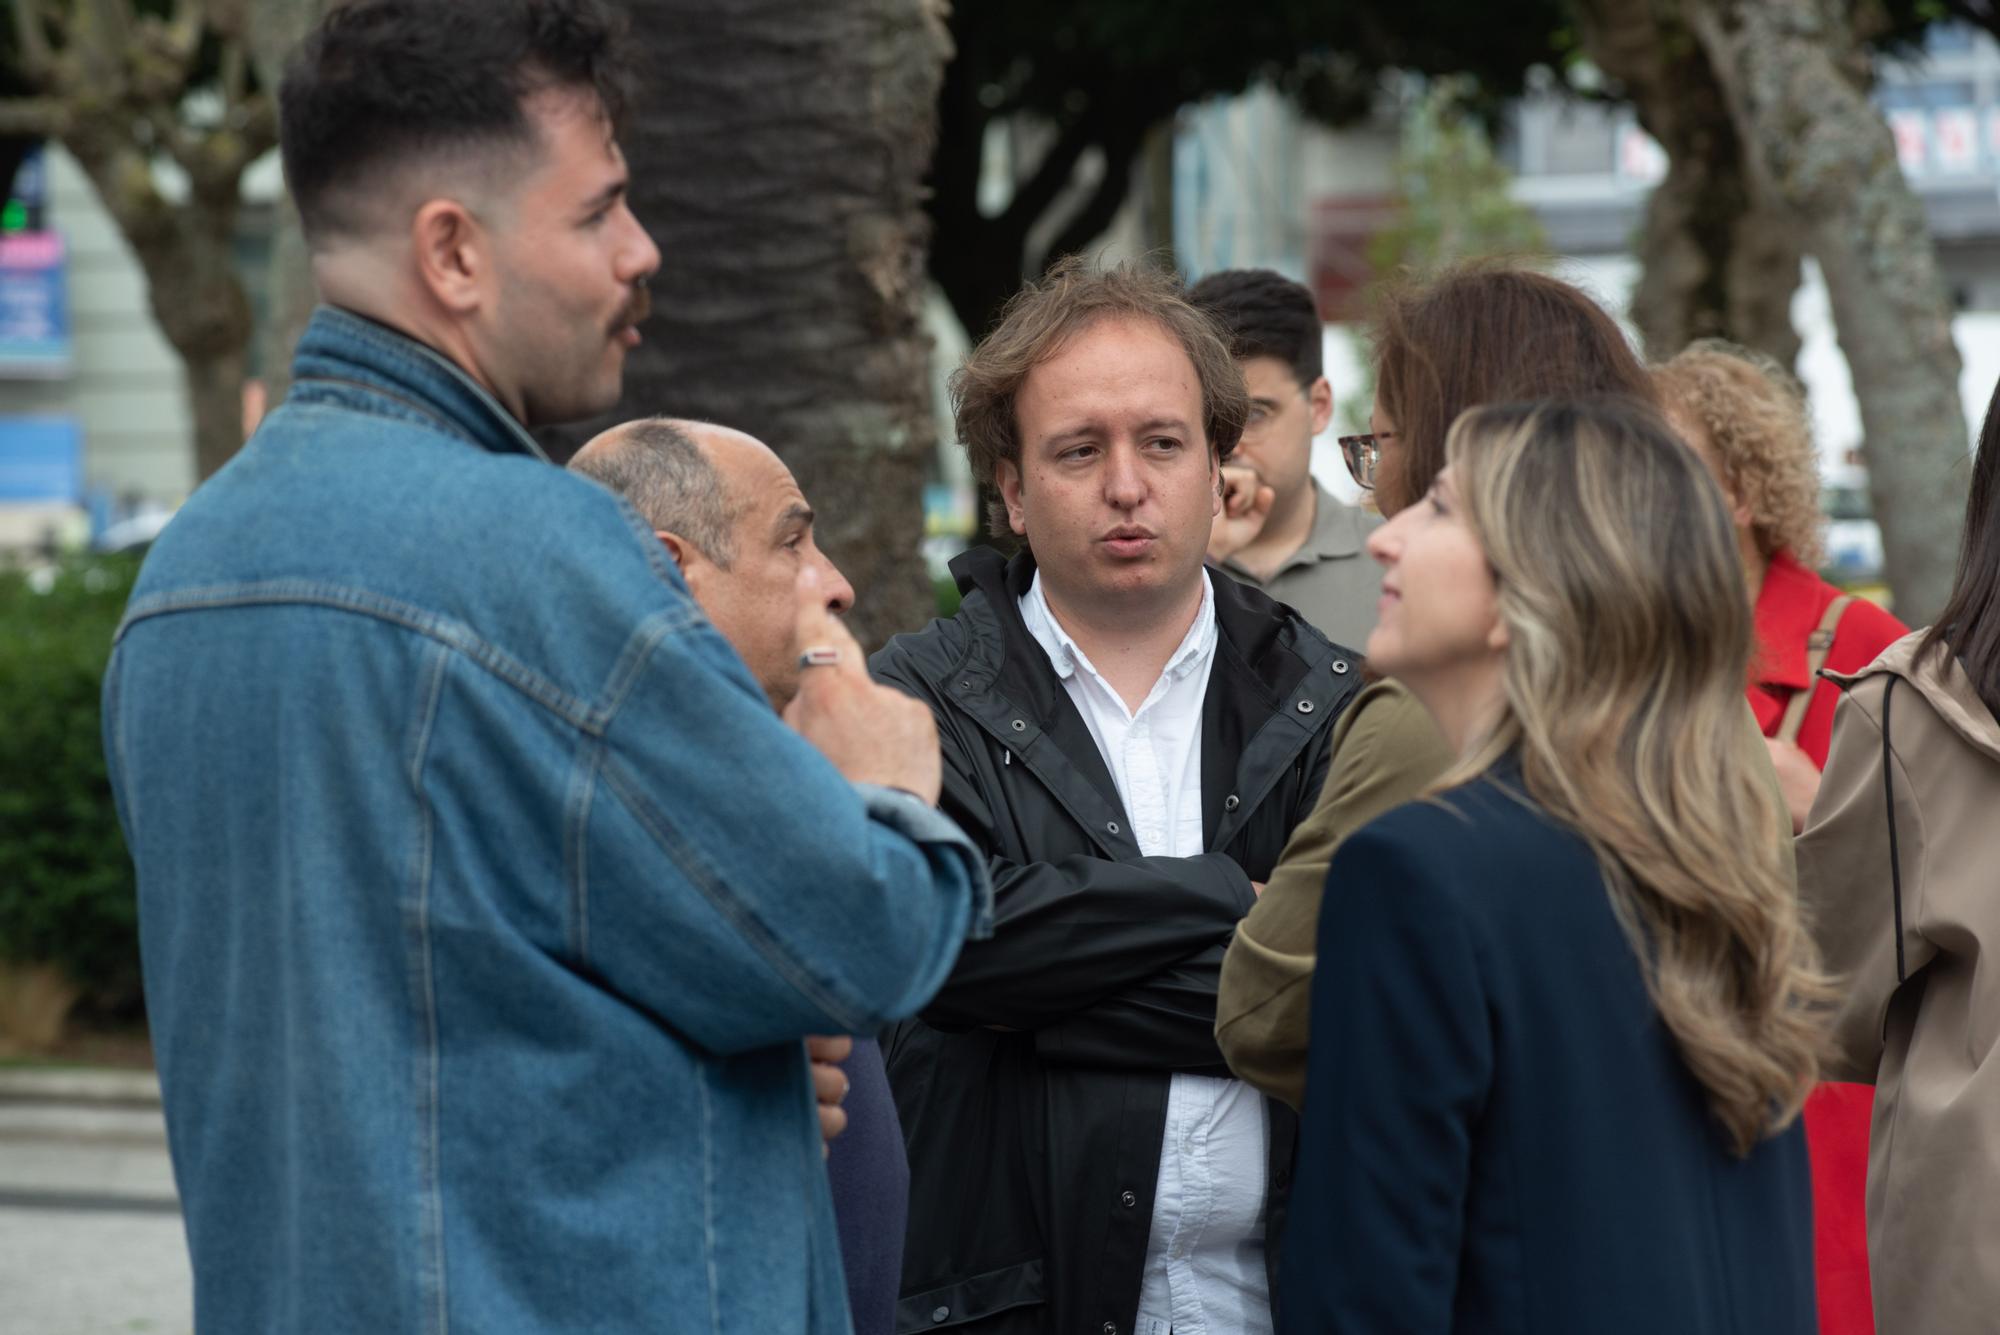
1845, 886
1386, 751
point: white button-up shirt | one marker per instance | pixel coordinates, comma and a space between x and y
1205, 1256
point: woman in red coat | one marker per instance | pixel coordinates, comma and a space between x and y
1747, 419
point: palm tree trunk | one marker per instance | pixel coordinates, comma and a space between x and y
778, 159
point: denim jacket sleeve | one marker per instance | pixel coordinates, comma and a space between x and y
730, 879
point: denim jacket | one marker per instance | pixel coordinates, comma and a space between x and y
483, 899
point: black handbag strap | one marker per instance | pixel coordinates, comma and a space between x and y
1889, 796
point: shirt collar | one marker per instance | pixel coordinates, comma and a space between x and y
1065, 657
342, 347
1789, 607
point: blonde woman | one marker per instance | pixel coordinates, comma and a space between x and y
1565, 1012
1746, 418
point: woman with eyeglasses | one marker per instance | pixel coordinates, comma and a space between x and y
1471, 335
1566, 1011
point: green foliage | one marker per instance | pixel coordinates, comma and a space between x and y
945, 590
1453, 196
1454, 203
66, 887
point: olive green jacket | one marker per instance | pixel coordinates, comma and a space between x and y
1386, 751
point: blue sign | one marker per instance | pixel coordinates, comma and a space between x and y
41, 459
34, 307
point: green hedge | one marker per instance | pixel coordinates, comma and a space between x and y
66, 886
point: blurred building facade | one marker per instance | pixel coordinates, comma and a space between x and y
94, 421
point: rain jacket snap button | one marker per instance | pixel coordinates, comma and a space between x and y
1339, 667
940, 1313
1020, 725
1112, 826
1231, 802
1305, 706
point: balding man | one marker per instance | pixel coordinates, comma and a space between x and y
734, 520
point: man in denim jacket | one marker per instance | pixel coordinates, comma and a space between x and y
484, 901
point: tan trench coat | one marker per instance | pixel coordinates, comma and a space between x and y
1930, 1045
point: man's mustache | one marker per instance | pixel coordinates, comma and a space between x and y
636, 310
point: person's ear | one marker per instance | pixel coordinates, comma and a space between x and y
453, 254
692, 561
1007, 478
1319, 397
677, 547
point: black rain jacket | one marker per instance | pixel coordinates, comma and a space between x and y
1033, 1090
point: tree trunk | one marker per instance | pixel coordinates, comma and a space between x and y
188, 254
1719, 259
1797, 87
277, 27
779, 168
215, 404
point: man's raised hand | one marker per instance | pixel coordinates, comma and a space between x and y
871, 733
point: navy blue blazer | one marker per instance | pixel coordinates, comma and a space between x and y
1499, 1134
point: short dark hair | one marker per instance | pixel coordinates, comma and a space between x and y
1044, 316
1265, 314
670, 481
380, 82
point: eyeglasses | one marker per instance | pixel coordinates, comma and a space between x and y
1364, 455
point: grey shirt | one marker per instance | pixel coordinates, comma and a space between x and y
1329, 580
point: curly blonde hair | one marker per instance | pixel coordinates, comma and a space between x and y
1753, 414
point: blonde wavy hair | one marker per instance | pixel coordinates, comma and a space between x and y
1628, 641
1753, 413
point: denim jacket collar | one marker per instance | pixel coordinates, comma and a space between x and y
347, 357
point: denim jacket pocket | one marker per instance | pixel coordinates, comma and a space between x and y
973, 1299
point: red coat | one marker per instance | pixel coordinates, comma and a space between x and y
1789, 608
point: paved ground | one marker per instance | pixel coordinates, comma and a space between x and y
90, 1231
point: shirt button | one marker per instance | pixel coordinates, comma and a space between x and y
940, 1313
1127, 1199
1231, 802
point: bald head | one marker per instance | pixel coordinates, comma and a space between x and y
736, 523
659, 464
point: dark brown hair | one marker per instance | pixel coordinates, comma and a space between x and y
1044, 316
1265, 314
1969, 626
1486, 333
